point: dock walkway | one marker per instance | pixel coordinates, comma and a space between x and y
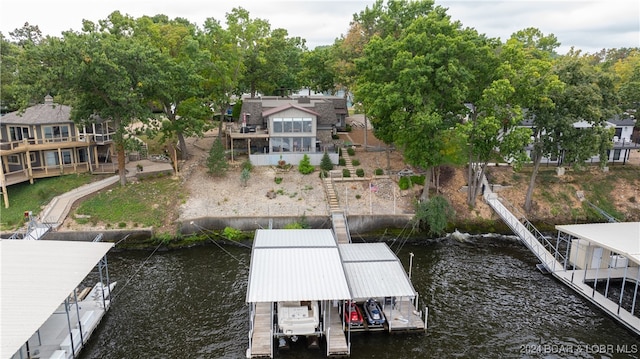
261, 336
403, 317
336, 340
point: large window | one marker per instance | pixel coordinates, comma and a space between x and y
13, 159
291, 125
51, 158
18, 133
56, 133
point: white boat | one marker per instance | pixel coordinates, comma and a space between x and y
298, 318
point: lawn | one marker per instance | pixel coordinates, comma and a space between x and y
32, 197
146, 203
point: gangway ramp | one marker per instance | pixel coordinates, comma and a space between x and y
530, 241
340, 228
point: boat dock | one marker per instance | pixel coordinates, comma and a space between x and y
43, 314
588, 258
312, 266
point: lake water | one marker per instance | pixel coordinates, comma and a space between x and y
486, 299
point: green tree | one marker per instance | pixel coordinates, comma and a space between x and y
434, 215
317, 71
305, 167
535, 85
10, 54
110, 74
583, 107
325, 162
181, 92
227, 49
414, 85
217, 161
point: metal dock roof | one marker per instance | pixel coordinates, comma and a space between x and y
36, 277
373, 270
622, 238
290, 265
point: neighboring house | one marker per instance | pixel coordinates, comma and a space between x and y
44, 142
285, 128
622, 141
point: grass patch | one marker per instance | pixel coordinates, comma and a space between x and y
146, 203
31, 197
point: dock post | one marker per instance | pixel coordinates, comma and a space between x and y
624, 279
635, 292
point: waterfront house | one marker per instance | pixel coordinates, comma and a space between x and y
622, 141
273, 128
43, 142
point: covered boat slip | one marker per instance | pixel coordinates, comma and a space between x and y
602, 263
38, 297
308, 265
374, 271
287, 266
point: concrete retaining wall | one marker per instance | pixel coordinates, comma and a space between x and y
357, 223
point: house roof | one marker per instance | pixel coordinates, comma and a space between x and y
37, 276
46, 113
287, 106
619, 122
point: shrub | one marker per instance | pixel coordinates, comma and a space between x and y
351, 151
278, 180
359, 172
435, 215
379, 172
358, 196
346, 172
342, 162
247, 165
355, 162
231, 233
305, 167
325, 163
323, 174
348, 127
244, 177
419, 180
405, 183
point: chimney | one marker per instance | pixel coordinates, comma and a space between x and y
304, 99
48, 100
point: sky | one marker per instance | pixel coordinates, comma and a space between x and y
586, 25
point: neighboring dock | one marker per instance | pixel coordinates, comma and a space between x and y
588, 258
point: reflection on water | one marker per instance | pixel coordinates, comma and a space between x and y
486, 299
